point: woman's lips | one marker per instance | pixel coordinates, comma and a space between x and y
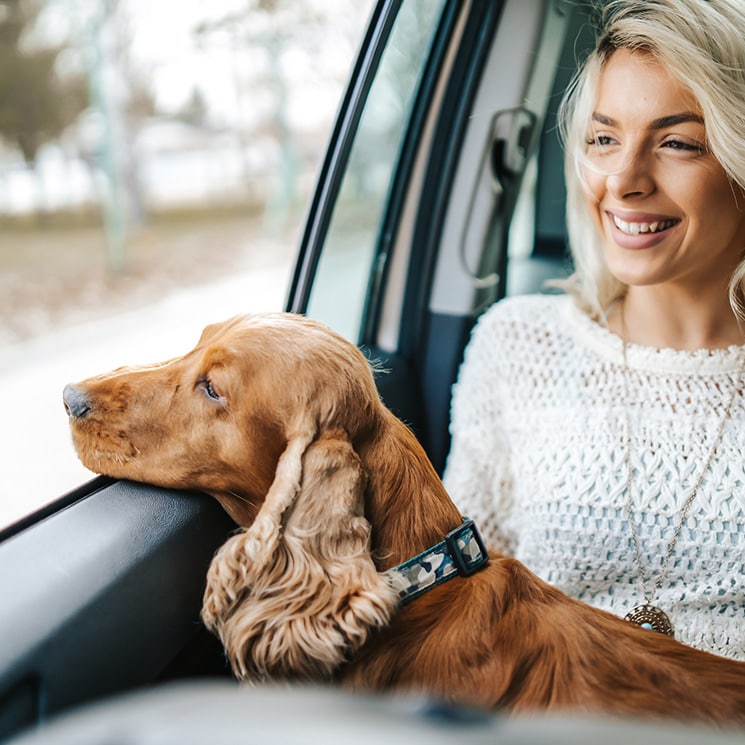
640, 230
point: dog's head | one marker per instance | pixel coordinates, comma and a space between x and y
219, 418
263, 414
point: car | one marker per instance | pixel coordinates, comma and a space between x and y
440, 193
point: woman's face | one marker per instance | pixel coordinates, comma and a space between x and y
661, 201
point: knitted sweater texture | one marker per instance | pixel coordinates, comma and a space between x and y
538, 460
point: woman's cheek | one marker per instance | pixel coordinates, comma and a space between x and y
592, 191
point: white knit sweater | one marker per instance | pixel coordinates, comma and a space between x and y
538, 460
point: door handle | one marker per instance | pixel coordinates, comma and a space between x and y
512, 135
495, 191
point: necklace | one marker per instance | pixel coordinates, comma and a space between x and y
648, 615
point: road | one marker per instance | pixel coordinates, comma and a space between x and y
37, 460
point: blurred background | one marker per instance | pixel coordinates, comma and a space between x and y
156, 162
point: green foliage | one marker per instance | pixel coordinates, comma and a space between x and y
36, 104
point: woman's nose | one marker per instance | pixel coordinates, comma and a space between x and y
632, 177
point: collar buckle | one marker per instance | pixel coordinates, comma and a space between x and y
461, 543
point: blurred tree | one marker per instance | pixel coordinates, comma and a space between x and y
196, 110
276, 28
120, 101
36, 104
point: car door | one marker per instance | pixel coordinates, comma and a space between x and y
428, 203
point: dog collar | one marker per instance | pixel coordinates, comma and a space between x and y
461, 553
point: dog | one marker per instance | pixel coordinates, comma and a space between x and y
278, 418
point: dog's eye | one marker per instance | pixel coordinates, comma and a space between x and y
210, 390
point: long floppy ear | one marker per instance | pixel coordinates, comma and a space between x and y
297, 601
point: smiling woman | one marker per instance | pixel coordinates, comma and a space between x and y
600, 435
669, 214
697, 71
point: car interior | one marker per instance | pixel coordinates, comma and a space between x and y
464, 203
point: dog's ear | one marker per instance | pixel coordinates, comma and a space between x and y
295, 594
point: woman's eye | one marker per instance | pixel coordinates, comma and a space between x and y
684, 146
600, 140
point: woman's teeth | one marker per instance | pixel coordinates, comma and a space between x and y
635, 228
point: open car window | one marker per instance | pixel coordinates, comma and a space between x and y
155, 167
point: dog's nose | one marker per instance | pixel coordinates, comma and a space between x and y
76, 401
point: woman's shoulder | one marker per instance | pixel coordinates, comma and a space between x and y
524, 315
518, 329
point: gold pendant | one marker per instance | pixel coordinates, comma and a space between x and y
652, 618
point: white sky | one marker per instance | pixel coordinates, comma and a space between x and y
223, 69
165, 52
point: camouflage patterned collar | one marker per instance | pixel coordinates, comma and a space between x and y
461, 553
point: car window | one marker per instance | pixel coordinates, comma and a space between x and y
344, 271
155, 168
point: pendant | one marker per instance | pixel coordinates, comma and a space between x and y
652, 618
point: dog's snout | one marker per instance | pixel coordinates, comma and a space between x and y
77, 404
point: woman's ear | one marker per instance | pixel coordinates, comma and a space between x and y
295, 597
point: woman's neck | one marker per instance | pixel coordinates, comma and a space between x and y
664, 318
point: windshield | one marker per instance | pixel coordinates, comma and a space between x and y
155, 167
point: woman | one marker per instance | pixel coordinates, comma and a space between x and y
599, 436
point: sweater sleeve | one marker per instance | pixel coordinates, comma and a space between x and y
477, 474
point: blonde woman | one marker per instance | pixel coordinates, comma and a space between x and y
598, 436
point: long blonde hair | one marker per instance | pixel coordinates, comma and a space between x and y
702, 43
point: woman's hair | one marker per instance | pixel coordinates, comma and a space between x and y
702, 44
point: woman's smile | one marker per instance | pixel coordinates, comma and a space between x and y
640, 230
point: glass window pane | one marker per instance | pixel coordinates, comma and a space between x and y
340, 284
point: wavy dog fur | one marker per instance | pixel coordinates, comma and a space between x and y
279, 419
293, 597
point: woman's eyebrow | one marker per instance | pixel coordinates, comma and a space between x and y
602, 119
673, 119
661, 123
